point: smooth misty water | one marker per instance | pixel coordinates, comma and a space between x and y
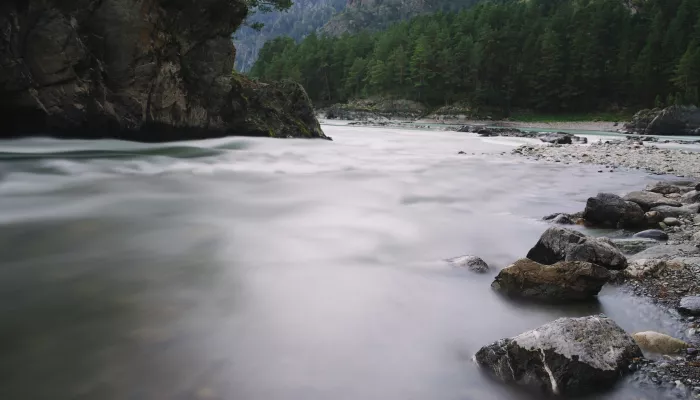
259, 269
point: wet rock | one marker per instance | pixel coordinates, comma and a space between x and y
563, 281
670, 221
663, 188
656, 342
560, 244
570, 356
563, 219
648, 200
610, 210
652, 234
557, 138
690, 305
472, 263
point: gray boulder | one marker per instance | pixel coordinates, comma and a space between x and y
557, 138
648, 200
472, 263
691, 197
609, 210
563, 281
652, 234
690, 305
569, 357
560, 244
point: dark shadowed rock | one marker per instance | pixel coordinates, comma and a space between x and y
652, 234
472, 263
653, 218
147, 71
663, 188
568, 357
556, 138
690, 305
609, 210
647, 200
560, 244
563, 281
691, 197
563, 219
674, 120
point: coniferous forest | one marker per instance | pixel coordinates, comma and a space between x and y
543, 55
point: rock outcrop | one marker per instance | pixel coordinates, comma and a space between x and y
570, 356
674, 120
563, 281
609, 210
560, 244
146, 70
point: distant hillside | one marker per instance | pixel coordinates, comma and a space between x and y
379, 14
304, 17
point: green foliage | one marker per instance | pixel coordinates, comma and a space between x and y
549, 56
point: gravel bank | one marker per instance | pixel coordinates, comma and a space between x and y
615, 154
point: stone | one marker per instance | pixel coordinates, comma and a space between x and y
696, 237
563, 281
675, 212
647, 200
557, 138
663, 188
634, 245
561, 244
643, 268
568, 357
668, 251
652, 234
670, 221
472, 263
610, 210
563, 219
690, 305
653, 217
154, 71
656, 342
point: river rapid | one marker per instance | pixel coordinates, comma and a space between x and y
262, 269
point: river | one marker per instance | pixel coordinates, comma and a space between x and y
261, 269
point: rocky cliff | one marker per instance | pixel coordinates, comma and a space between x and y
674, 120
146, 70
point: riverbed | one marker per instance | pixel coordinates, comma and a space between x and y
263, 269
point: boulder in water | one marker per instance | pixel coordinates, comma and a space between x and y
610, 210
570, 356
556, 138
656, 342
560, 244
655, 234
472, 263
563, 281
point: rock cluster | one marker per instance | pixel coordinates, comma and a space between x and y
674, 120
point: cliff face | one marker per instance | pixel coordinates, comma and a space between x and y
148, 70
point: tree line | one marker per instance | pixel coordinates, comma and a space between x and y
544, 55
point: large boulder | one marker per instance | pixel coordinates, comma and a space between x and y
147, 71
610, 210
563, 281
560, 244
648, 200
686, 211
674, 120
569, 357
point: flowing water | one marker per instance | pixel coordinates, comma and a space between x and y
261, 269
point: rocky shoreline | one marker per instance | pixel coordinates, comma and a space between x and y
653, 253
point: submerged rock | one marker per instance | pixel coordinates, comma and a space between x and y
563, 219
570, 356
663, 188
634, 245
560, 244
563, 281
647, 200
652, 234
146, 71
472, 263
610, 210
656, 342
690, 305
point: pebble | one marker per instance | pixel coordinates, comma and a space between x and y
670, 221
